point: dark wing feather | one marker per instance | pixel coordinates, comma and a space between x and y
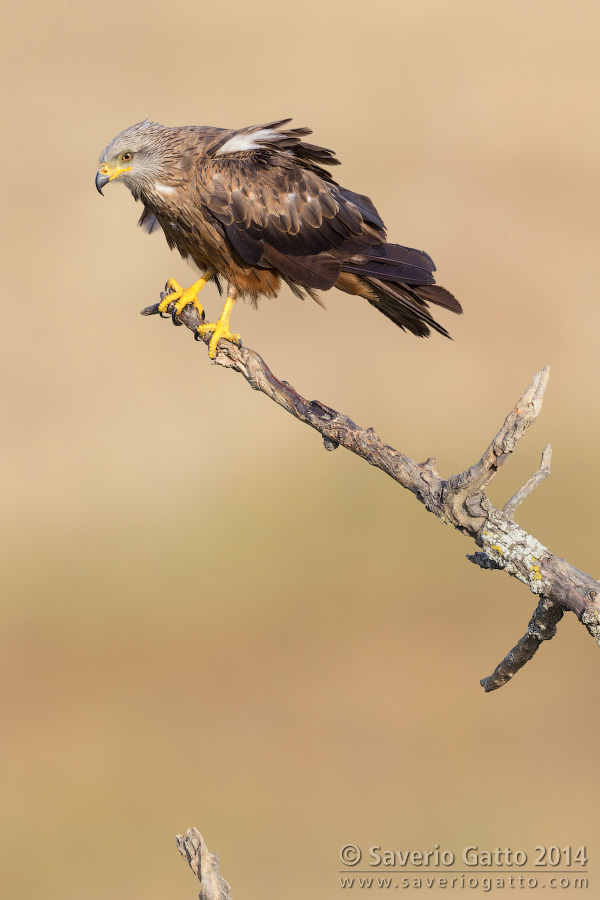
251, 251
397, 272
320, 272
394, 262
395, 252
266, 199
364, 206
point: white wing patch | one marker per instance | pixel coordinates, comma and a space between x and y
163, 189
241, 143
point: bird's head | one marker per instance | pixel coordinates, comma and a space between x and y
135, 157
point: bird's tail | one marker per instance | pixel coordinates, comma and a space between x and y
399, 282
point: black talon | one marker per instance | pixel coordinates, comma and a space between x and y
163, 315
176, 319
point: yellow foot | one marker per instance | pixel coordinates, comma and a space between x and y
220, 331
184, 297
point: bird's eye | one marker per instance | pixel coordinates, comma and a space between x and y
127, 156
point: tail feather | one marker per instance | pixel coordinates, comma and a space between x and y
403, 305
433, 293
399, 282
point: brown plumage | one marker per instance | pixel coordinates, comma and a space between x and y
257, 207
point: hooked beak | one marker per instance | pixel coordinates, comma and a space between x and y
101, 179
108, 172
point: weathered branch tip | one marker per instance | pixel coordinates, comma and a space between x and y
204, 864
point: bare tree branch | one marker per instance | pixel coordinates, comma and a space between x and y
530, 485
459, 500
204, 864
542, 627
478, 476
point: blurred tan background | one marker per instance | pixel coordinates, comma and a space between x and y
208, 620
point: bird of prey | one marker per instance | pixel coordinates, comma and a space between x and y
257, 207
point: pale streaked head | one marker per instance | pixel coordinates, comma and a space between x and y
136, 156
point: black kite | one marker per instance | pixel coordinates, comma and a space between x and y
256, 207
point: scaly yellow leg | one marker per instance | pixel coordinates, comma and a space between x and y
185, 297
220, 329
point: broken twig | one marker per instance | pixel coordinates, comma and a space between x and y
204, 865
